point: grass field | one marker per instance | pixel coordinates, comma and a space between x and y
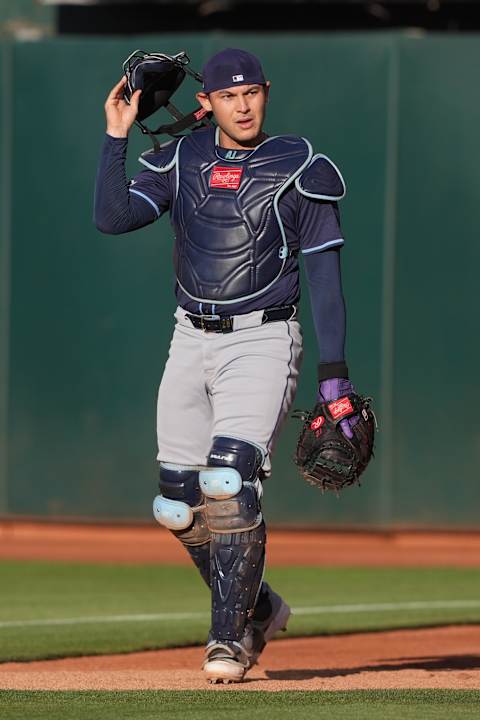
208, 705
59, 609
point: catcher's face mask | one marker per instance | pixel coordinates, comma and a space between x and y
158, 76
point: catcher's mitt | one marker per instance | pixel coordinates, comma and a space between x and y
327, 458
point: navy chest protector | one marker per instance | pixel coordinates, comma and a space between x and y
230, 244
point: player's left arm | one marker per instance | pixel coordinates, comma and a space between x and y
336, 442
321, 239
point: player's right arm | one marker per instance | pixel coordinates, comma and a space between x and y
122, 205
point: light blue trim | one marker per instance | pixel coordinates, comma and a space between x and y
145, 197
213, 309
330, 243
168, 166
239, 160
200, 308
220, 482
284, 246
173, 514
316, 196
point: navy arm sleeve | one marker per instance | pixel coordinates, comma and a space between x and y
119, 207
328, 306
320, 239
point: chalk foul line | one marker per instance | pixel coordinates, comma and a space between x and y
318, 610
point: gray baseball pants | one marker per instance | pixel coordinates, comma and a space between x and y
239, 384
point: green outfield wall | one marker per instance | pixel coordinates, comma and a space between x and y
85, 318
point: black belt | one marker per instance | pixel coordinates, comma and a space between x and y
219, 324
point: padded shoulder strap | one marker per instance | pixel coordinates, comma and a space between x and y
321, 180
164, 160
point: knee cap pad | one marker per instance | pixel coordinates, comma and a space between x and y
180, 506
173, 514
179, 482
246, 458
220, 482
231, 486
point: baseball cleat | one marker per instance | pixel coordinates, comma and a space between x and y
228, 660
264, 630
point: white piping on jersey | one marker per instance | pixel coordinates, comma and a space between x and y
276, 199
318, 196
330, 243
145, 197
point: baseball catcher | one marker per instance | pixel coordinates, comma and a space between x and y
244, 207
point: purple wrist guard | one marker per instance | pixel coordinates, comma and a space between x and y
333, 389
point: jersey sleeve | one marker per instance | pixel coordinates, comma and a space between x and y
122, 205
152, 188
318, 225
319, 188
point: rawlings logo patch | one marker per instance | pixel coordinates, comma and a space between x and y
226, 178
317, 423
340, 408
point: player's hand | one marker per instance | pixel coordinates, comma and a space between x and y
333, 389
120, 115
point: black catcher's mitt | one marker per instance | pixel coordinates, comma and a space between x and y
326, 457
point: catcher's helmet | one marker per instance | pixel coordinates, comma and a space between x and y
158, 76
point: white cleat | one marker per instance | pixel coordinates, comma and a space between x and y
228, 660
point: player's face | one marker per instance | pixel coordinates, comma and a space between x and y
239, 112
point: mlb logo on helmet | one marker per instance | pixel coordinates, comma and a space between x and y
237, 78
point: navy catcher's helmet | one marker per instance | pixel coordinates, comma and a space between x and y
158, 76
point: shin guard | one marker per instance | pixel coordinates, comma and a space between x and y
237, 561
232, 493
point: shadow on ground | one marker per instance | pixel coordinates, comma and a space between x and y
429, 664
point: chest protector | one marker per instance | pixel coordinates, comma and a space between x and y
230, 244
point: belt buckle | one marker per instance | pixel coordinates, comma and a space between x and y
226, 324
206, 322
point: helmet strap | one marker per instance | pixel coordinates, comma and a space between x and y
195, 119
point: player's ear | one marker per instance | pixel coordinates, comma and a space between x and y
204, 101
266, 89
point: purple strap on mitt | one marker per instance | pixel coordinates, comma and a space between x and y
332, 389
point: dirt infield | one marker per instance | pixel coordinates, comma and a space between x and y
427, 658
152, 544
